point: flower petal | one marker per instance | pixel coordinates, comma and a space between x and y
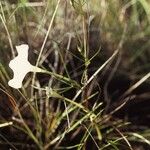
23, 51
20, 66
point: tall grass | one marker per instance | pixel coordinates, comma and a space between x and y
76, 42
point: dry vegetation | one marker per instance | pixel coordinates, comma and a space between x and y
95, 93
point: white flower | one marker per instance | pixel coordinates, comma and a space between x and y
21, 66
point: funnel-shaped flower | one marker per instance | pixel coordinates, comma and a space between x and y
21, 66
